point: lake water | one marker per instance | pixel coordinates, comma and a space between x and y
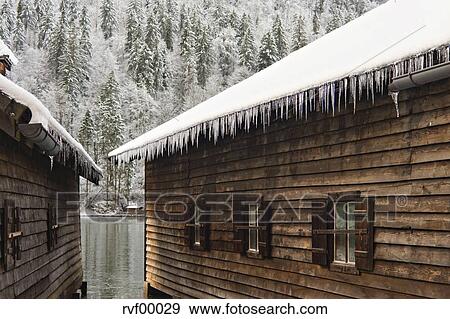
113, 257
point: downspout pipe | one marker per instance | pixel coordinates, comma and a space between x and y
38, 135
422, 77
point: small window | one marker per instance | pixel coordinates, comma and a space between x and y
197, 232
342, 232
197, 228
252, 225
253, 229
344, 236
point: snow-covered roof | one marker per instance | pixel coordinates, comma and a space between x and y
395, 38
4, 50
40, 114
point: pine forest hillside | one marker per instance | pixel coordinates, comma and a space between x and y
110, 70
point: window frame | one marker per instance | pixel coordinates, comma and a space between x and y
324, 212
253, 224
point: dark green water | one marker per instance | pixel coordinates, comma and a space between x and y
113, 257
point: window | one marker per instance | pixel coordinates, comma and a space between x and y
342, 232
197, 232
252, 226
197, 228
253, 229
344, 236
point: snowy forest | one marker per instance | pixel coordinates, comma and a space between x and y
110, 70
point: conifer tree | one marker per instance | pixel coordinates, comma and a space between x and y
19, 35
45, 24
108, 18
85, 39
279, 37
7, 22
204, 56
87, 131
25, 14
169, 25
152, 33
72, 73
133, 24
336, 20
247, 50
268, 53
317, 14
227, 55
58, 41
299, 38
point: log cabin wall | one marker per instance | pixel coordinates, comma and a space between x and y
370, 151
29, 182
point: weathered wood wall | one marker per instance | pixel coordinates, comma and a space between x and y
26, 177
370, 151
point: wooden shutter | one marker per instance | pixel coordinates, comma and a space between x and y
265, 230
11, 235
364, 218
52, 227
2, 238
322, 242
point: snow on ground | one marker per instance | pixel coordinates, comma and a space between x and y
40, 114
399, 30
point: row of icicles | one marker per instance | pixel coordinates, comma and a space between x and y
328, 98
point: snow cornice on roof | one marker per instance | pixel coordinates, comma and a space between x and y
72, 153
353, 62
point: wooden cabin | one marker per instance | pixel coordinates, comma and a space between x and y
40, 165
302, 184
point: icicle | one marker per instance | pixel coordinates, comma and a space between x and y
394, 96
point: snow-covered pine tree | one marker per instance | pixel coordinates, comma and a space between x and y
279, 37
152, 32
111, 128
317, 16
337, 20
108, 16
19, 35
204, 56
111, 125
299, 36
228, 55
87, 131
7, 23
162, 69
26, 14
168, 25
72, 74
247, 50
58, 41
268, 53
133, 23
45, 23
85, 38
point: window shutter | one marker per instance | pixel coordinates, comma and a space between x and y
2, 238
364, 217
11, 235
321, 221
52, 227
189, 227
265, 230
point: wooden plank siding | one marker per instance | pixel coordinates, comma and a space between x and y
372, 151
27, 178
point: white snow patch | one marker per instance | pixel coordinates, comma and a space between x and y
40, 114
4, 50
397, 37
